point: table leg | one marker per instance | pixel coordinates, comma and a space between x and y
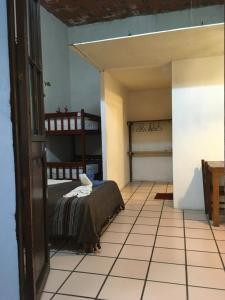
215, 200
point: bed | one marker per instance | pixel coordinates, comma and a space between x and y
71, 123
78, 222
78, 127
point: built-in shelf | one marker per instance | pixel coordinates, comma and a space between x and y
131, 153
147, 121
150, 153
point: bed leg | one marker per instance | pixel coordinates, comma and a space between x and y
88, 248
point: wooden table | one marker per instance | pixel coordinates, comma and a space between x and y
216, 168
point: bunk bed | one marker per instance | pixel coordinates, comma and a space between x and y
74, 124
78, 222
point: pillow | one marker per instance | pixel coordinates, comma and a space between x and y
90, 175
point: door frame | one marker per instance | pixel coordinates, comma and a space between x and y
20, 117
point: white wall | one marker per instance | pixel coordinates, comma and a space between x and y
198, 125
114, 131
85, 79
151, 105
55, 58
9, 277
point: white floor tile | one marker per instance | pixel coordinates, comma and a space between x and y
133, 206
204, 259
64, 297
205, 294
195, 216
147, 221
197, 224
206, 277
167, 273
171, 231
46, 296
114, 237
82, 284
136, 252
201, 245
108, 249
199, 233
140, 239
130, 268
219, 235
169, 256
221, 245
122, 289
171, 222
169, 242
129, 213
55, 279
172, 215
117, 227
124, 220
162, 291
150, 214
65, 261
96, 264
144, 229
152, 207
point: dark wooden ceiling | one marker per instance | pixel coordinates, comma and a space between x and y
79, 12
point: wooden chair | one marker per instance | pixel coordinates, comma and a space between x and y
207, 189
206, 179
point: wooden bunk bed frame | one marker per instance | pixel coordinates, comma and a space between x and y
72, 124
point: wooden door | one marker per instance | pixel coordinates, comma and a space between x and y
29, 141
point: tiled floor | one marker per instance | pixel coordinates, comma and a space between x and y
150, 251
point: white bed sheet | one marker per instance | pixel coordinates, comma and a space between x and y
53, 181
89, 124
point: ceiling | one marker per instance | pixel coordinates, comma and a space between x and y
144, 61
144, 78
79, 12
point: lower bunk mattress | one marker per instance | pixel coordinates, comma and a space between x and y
78, 222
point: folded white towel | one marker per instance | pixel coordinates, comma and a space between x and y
83, 190
85, 180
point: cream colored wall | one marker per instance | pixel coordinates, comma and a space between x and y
198, 124
146, 105
150, 104
114, 131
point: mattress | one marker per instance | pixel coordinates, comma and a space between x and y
54, 181
92, 213
90, 168
88, 124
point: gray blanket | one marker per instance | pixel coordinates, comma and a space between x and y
80, 220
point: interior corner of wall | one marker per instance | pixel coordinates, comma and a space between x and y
103, 124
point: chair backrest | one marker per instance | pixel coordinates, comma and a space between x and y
204, 182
